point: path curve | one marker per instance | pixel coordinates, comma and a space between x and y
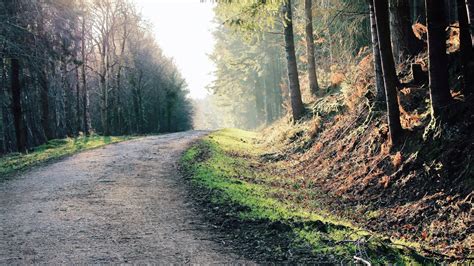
121, 203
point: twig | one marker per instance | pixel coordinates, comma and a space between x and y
362, 260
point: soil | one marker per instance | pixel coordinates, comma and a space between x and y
121, 203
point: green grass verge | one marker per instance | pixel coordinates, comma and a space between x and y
54, 149
225, 162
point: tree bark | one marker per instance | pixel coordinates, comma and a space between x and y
470, 13
466, 49
294, 84
388, 68
404, 42
85, 93
438, 61
44, 95
104, 102
78, 102
20, 132
312, 76
379, 83
259, 102
2, 103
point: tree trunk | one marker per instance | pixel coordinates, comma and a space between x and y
466, 49
438, 61
294, 84
44, 94
20, 132
388, 69
313, 81
2, 99
269, 104
85, 93
104, 102
78, 101
379, 83
259, 101
404, 42
470, 13
419, 14
66, 91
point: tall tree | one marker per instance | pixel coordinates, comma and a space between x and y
438, 60
470, 13
2, 103
466, 48
388, 68
313, 81
404, 42
44, 95
20, 131
85, 91
297, 107
379, 82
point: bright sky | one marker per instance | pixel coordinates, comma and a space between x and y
183, 29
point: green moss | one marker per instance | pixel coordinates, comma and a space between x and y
54, 149
224, 162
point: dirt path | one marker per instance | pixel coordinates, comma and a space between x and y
121, 203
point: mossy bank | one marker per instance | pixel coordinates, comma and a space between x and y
248, 203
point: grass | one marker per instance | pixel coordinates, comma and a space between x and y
227, 163
54, 149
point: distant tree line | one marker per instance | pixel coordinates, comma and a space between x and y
71, 67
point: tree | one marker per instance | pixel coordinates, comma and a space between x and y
388, 68
84, 108
379, 81
2, 104
438, 61
470, 12
20, 132
85, 91
466, 49
404, 42
313, 81
13, 9
297, 107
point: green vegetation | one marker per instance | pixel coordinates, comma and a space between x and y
54, 149
226, 163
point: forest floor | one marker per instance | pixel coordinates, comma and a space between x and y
122, 203
276, 214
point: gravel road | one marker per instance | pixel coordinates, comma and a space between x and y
122, 203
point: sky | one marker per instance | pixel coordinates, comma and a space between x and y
183, 29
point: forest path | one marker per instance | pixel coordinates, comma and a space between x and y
124, 202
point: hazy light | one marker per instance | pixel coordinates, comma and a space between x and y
183, 29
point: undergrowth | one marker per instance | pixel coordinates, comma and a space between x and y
227, 165
54, 149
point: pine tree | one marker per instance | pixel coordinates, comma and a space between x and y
438, 61
294, 84
388, 68
313, 81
